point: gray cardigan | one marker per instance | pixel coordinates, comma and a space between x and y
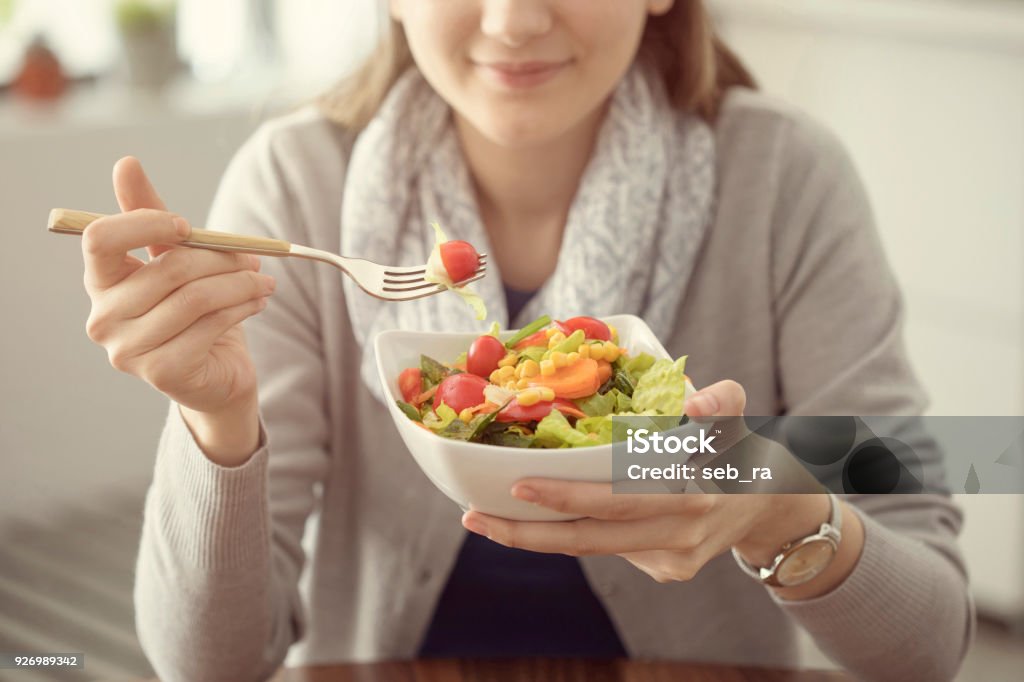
331, 545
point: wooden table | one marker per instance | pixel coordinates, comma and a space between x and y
546, 670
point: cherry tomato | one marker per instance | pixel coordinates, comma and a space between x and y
484, 355
592, 327
538, 339
460, 259
514, 412
460, 391
410, 383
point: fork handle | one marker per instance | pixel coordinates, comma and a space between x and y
68, 221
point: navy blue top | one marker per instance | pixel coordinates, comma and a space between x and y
503, 602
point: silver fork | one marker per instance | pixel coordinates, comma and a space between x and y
383, 281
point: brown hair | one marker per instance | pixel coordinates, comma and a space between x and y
682, 44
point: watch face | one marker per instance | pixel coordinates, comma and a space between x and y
805, 562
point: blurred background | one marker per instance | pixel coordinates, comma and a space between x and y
928, 95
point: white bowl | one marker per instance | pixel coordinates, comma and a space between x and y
481, 476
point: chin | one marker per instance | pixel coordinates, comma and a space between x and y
519, 131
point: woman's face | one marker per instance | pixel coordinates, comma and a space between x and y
522, 72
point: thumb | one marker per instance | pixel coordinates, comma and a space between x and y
134, 190
722, 399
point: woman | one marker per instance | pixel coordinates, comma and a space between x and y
611, 156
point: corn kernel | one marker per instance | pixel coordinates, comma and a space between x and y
523, 383
495, 377
584, 351
546, 393
466, 415
597, 351
611, 352
530, 368
527, 397
559, 359
555, 339
509, 385
508, 360
506, 371
614, 331
550, 331
547, 368
572, 357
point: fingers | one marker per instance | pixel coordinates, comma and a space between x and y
134, 191
598, 501
197, 340
187, 304
106, 243
142, 290
161, 366
132, 188
586, 536
723, 399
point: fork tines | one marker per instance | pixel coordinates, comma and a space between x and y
414, 275
410, 281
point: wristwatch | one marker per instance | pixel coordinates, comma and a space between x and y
801, 560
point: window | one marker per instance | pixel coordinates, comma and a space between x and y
312, 42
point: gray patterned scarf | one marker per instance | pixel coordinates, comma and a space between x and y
633, 229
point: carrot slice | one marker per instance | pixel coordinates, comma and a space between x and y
424, 397
485, 408
571, 411
578, 380
604, 371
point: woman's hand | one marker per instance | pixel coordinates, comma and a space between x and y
174, 321
671, 537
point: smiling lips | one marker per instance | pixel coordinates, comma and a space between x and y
519, 75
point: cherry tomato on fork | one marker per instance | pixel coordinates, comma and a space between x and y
460, 259
460, 391
484, 355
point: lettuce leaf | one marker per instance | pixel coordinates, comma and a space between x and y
598, 405
441, 420
410, 411
601, 404
636, 366
601, 427
662, 388
512, 435
554, 431
432, 371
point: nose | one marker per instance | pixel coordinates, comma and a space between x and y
515, 22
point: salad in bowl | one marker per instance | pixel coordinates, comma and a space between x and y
552, 384
473, 442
